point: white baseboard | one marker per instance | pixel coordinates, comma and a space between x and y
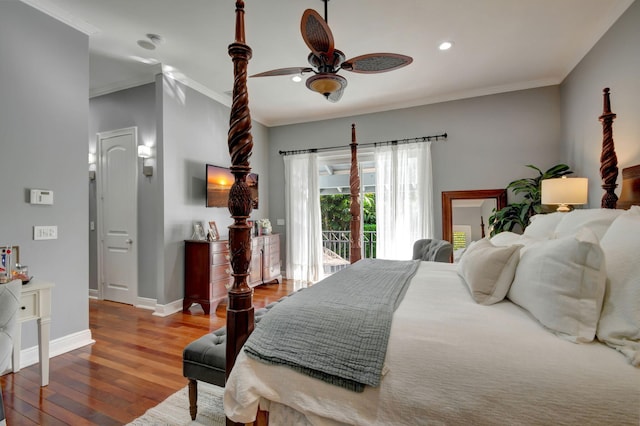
168, 309
146, 303
57, 347
150, 304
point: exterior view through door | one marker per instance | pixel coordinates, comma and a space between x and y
333, 183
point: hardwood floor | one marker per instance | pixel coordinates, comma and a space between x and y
135, 364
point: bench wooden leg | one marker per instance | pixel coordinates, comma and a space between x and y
193, 398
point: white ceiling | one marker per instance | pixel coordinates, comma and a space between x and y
499, 45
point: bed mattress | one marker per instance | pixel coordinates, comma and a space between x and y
452, 361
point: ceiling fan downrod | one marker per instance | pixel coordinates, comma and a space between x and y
326, 11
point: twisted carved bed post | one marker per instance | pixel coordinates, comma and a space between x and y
608, 158
354, 183
240, 319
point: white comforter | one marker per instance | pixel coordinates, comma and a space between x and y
452, 361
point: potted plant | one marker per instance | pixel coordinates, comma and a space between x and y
515, 216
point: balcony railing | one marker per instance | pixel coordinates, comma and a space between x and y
336, 248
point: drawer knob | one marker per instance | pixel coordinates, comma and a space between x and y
23, 308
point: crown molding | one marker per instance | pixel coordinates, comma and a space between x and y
62, 16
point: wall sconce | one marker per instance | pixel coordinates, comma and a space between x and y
565, 191
144, 152
92, 166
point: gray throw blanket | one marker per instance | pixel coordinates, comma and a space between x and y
338, 329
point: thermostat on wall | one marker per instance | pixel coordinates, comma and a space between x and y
41, 196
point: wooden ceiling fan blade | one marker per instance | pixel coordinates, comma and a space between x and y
316, 33
376, 62
283, 71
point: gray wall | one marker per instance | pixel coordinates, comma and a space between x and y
194, 132
491, 139
129, 108
44, 111
188, 130
613, 62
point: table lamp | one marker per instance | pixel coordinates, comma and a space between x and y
565, 191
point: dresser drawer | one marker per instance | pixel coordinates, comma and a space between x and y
219, 246
28, 306
221, 272
219, 288
220, 258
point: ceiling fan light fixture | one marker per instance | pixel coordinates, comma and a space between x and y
325, 84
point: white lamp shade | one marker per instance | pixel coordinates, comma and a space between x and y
144, 151
565, 190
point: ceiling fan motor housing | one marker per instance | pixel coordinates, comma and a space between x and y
323, 63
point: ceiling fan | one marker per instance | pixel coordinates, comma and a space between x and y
326, 60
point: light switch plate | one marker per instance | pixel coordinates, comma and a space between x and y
45, 232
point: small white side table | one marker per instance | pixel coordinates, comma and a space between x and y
36, 304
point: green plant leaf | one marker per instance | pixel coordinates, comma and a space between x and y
518, 214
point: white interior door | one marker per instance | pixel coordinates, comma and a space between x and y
117, 215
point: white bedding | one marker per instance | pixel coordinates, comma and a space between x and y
452, 361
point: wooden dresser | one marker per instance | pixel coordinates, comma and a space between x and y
207, 270
265, 260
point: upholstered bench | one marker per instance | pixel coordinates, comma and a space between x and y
204, 359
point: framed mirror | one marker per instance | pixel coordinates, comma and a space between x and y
468, 212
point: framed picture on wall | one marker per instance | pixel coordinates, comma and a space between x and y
213, 234
198, 231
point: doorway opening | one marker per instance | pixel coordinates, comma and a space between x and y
334, 172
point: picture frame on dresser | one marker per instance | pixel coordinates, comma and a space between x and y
213, 234
198, 231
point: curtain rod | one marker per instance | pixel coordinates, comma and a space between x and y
442, 136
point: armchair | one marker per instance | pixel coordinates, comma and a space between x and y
432, 249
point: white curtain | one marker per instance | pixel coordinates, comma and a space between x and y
303, 220
404, 199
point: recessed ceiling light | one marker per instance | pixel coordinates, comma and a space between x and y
152, 41
146, 44
296, 78
445, 45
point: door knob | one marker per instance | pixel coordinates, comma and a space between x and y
128, 241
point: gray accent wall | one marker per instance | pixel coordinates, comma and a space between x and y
194, 133
613, 62
187, 130
490, 141
44, 115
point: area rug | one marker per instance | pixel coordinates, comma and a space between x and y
174, 411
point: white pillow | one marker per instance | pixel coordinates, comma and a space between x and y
543, 225
620, 319
488, 270
598, 220
507, 238
561, 282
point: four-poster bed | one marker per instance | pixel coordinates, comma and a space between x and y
532, 374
